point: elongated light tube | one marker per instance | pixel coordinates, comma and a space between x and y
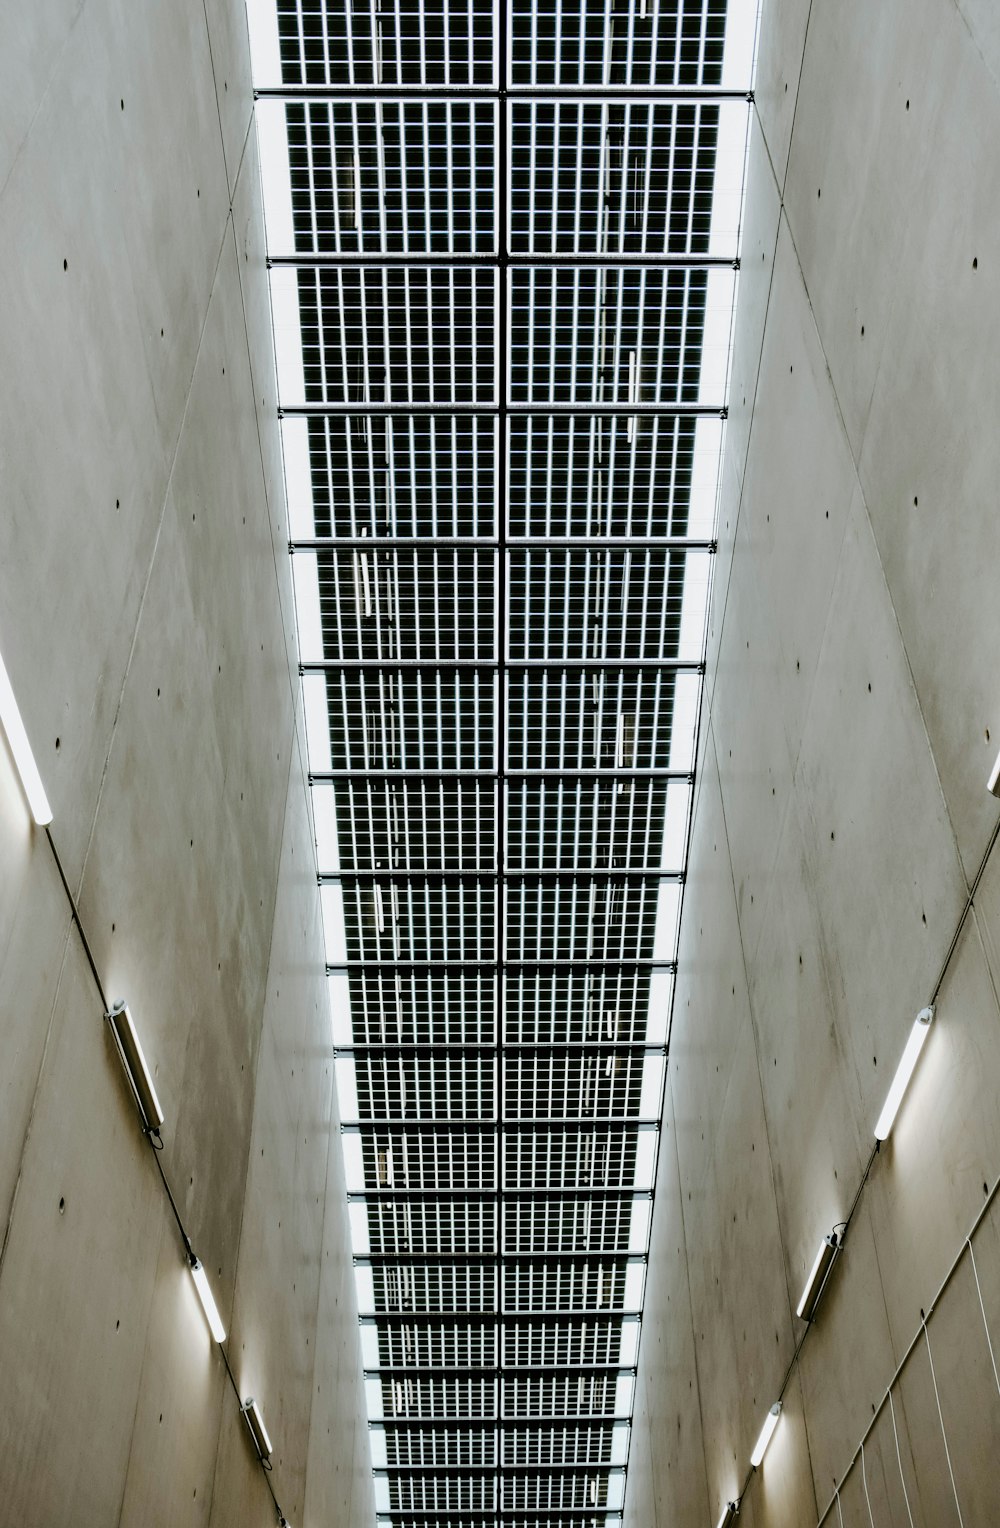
31, 780
136, 1068
816, 1282
766, 1433
255, 1423
904, 1071
207, 1298
729, 1514
993, 783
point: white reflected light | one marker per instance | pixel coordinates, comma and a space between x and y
24, 759
728, 1515
993, 783
904, 1071
207, 1298
766, 1434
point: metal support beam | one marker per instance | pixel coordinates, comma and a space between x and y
387, 543
389, 94
321, 261
552, 409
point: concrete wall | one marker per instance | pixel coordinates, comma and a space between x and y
852, 716
146, 622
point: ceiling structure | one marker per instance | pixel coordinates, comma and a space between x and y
503, 249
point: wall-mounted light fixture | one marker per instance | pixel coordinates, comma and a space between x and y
207, 1298
256, 1428
24, 759
904, 1071
819, 1273
136, 1069
993, 783
766, 1434
730, 1513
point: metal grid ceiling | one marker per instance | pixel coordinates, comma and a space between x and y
502, 245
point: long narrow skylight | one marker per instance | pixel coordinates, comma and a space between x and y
504, 260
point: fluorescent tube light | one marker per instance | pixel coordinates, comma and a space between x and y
730, 1512
136, 1069
766, 1433
207, 1299
993, 783
24, 759
255, 1424
816, 1282
904, 1071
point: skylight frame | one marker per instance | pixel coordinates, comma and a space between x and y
497, 779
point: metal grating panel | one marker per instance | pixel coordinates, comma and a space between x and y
510, 272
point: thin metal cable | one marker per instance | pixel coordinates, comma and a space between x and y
840, 1511
76, 919
986, 1327
899, 1460
148, 1136
857, 1197
944, 1435
864, 1482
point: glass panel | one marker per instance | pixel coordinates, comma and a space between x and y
502, 605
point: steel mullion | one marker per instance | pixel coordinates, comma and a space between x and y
482, 1195
519, 1471
563, 1049
362, 773
583, 873
673, 92
527, 1515
504, 302
510, 964
478, 1371
473, 1122
678, 410
489, 1324
511, 1423
446, 665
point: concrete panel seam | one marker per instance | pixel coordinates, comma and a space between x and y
923, 720
260, 1022
967, 1243
687, 1285
710, 691
972, 38
138, 1397
795, 106
926, 1316
986, 956
260, 448
41, 99
76, 896
230, 184
331, 1096
767, 1136
34, 1099
251, 125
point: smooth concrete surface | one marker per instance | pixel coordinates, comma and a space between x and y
841, 816
147, 625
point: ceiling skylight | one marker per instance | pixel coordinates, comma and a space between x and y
504, 260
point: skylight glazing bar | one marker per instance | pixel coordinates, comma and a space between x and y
501, 257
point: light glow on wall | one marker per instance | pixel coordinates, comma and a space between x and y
24, 759
904, 1071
